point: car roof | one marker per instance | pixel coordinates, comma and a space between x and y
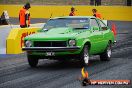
74, 17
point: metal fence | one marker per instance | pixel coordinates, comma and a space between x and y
64, 2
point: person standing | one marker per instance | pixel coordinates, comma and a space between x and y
24, 16
99, 2
96, 2
92, 2
72, 13
96, 14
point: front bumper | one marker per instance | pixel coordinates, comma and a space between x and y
61, 49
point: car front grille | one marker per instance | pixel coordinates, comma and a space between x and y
50, 44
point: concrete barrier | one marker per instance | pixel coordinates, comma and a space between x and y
4, 32
15, 42
121, 13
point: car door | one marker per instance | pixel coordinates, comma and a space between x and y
95, 37
105, 32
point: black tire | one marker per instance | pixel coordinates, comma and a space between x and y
85, 52
32, 61
63, 60
107, 54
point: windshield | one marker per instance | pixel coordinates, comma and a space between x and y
76, 23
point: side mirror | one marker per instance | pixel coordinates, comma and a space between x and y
95, 28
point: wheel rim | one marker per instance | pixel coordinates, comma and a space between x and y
109, 52
86, 57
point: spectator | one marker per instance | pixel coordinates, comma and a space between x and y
72, 13
4, 18
24, 16
97, 2
92, 2
96, 14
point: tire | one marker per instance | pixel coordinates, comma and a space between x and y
63, 60
107, 54
32, 61
84, 56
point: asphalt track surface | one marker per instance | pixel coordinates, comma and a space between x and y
16, 73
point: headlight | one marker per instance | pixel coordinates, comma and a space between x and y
28, 43
72, 42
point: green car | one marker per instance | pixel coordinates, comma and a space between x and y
70, 37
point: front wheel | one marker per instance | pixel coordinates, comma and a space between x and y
33, 62
107, 54
84, 56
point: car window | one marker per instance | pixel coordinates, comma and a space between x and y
77, 23
94, 23
102, 25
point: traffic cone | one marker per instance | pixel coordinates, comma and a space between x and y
114, 30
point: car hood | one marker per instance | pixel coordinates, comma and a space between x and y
55, 34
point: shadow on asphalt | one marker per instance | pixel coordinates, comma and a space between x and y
58, 65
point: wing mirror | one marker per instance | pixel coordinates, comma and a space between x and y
95, 28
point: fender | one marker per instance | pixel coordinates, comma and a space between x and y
23, 36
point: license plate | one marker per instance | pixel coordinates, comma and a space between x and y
50, 53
